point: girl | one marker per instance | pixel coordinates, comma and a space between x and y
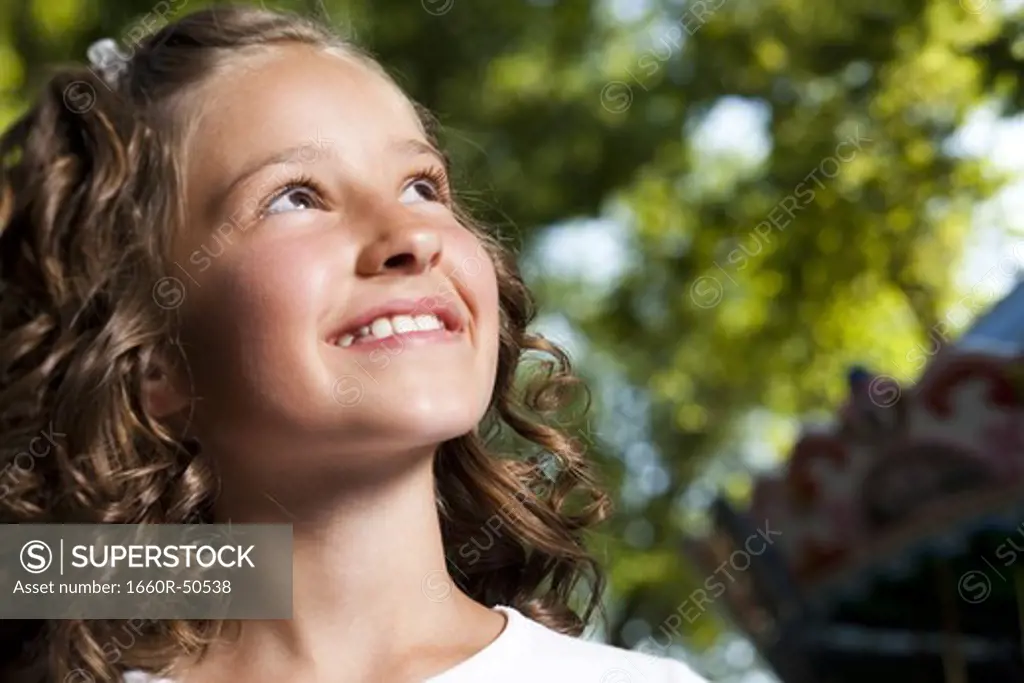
236, 282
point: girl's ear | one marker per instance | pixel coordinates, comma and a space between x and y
162, 394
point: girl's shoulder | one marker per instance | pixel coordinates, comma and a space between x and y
143, 677
529, 651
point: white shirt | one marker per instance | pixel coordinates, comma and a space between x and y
528, 652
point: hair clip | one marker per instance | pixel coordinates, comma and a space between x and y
107, 58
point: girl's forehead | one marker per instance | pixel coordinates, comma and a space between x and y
286, 96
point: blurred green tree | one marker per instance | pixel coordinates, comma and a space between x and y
752, 275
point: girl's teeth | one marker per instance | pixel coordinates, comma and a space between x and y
403, 323
381, 328
427, 322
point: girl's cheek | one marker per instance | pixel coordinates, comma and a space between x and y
472, 268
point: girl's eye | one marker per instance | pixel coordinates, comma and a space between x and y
429, 186
300, 196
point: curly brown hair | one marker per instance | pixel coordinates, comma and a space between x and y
88, 174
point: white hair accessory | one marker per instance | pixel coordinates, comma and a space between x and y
105, 56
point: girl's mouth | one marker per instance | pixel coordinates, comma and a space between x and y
413, 319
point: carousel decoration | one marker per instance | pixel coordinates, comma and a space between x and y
899, 554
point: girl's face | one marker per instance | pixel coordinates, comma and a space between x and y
335, 309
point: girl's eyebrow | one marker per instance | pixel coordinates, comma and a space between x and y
413, 146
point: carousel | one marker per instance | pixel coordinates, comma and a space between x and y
898, 531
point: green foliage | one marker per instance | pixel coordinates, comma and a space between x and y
753, 279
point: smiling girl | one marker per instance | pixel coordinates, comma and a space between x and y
237, 282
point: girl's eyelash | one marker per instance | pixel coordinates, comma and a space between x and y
302, 181
439, 178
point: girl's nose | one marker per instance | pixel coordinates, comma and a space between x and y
401, 249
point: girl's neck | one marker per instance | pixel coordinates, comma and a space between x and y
370, 585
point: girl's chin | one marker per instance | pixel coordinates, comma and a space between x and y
414, 415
